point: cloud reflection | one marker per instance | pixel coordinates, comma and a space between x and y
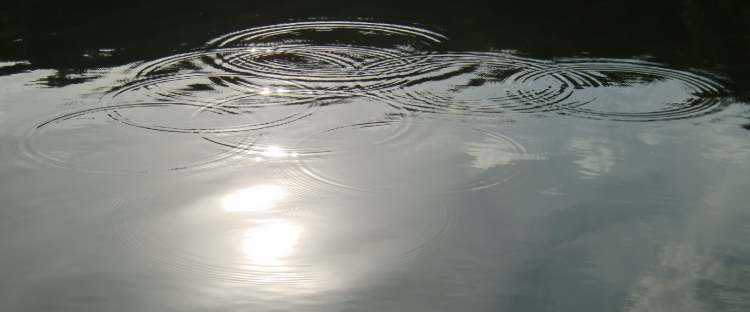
595, 157
487, 155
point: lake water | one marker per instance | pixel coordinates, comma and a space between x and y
381, 156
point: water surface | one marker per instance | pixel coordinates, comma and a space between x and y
378, 161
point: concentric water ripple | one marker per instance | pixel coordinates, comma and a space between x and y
210, 88
280, 141
90, 141
220, 104
480, 84
468, 158
628, 90
278, 84
333, 68
483, 85
322, 55
345, 32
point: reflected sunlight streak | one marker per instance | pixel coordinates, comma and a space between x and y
269, 243
253, 199
277, 152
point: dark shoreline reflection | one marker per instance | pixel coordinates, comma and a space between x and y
699, 33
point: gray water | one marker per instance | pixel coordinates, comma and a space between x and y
356, 165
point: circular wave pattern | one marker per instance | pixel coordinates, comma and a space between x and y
322, 55
333, 30
626, 90
482, 84
90, 141
220, 104
280, 141
255, 82
362, 135
330, 68
469, 159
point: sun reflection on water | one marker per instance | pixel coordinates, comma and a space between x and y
269, 243
253, 199
269, 240
277, 152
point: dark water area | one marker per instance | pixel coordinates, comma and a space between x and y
375, 156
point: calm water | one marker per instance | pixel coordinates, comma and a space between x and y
375, 157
